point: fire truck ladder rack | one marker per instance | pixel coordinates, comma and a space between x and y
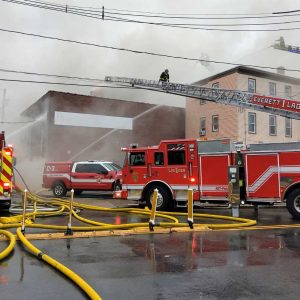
273, 105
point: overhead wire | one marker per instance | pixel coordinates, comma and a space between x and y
66, 7
200, 28
138, 51
181, 14
196, 18
110, 17
51, 75
61, 83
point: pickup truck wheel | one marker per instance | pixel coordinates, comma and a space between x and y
163, 197
59, 189
293, 203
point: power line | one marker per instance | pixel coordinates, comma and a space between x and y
51, 75
138, 51
201, 18
187, 26
61, 83
286, 12
148, 14
172, 14
109, 16
18, 122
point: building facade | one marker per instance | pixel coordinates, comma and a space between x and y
78, 127
211, 120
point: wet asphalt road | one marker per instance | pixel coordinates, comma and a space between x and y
246, 264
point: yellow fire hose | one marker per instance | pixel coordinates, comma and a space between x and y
11, 245
63, 205
58, 266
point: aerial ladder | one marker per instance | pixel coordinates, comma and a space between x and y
284, 107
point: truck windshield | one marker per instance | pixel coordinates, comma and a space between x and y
112, 166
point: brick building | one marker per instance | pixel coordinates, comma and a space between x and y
211, 120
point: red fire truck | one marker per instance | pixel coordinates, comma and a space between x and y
263, 174
6, 173
81, 176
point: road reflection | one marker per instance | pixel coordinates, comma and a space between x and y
179, 252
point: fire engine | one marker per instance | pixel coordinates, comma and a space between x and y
263, 174
81, 176
6, 173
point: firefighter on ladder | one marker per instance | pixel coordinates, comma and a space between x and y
164, 76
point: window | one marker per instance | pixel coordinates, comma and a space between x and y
158, 158
216, 85
215, 123
90, 168
272, 88
202, 129
288, 127
176, 157
112, 166
251, 122
272, 125
288, 91
251, 85
137, 159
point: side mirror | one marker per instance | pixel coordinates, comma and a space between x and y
14, 161
104, 172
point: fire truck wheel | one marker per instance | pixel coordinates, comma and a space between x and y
59, 189
5, 206
163, 197
293, 203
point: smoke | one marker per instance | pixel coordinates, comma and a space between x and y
29, 173
53, 57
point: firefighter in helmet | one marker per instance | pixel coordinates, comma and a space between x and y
164, 76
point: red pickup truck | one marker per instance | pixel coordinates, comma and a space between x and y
81, 176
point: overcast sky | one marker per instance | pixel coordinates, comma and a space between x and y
32, 54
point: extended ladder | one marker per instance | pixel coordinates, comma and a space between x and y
279, 106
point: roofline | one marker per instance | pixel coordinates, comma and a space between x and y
250, 71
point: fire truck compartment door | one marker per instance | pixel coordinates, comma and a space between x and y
262, 175
214, 174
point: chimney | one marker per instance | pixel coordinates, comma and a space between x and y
281, 70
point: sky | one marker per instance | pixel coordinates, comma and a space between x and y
33, 54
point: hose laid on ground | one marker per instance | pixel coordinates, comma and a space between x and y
60, 267
11, 245
64, 204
